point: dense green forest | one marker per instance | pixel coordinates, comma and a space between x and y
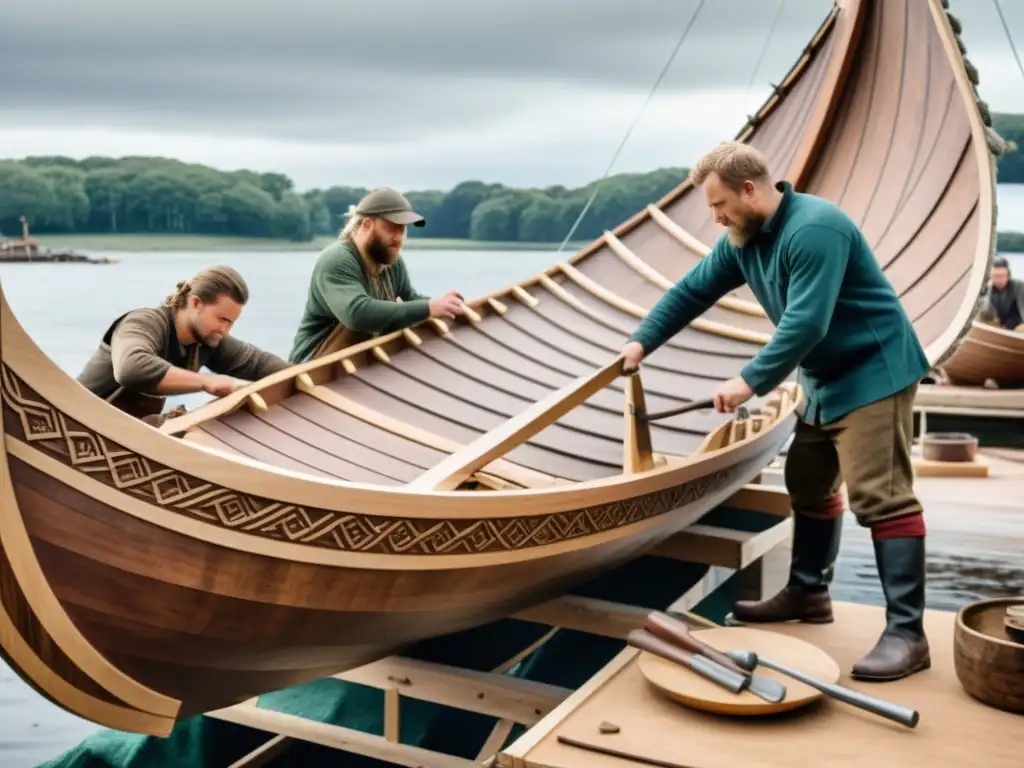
164, 196
153, 195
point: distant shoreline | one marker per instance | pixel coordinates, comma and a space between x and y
1011, 242
142, 242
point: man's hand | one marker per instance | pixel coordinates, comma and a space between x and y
632, 354
732, 394
220, 386
447, 306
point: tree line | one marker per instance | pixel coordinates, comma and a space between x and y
1010, 168
156, 195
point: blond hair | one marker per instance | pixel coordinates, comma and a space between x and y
208, 285
352, 225
734, 162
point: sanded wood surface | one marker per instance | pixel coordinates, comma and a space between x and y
696, 692
954, 730
988, 352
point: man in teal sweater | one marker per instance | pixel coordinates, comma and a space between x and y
840, 323
360, 287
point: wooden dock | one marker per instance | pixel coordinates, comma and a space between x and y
954, 730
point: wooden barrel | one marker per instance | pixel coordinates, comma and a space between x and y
989, 663
949, 446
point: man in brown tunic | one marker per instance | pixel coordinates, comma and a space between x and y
150, 353
360, 287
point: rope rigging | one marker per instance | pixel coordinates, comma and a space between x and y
629, 131
1009, 37
650, 95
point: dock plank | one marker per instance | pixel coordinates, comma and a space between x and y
954, 729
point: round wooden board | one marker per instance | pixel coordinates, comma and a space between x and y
691, 689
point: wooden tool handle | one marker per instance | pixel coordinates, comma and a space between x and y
706, 668
676, 632
697, 405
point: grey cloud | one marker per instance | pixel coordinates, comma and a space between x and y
317, 70
347, 78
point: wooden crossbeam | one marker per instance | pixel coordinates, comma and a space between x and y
725, 547
450, 472
761, 498
489, 693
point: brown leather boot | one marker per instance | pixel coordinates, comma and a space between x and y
903, 648
805, 598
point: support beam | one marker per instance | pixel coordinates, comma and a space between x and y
761, 498
636, 448
338, 737
725, 547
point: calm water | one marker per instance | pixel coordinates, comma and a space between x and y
66, 308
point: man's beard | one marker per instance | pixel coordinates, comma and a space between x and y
209, 341
380, 253
749, 226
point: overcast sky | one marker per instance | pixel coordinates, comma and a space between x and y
410, 93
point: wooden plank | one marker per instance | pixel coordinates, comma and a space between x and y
451, 471
497, 476
338, 737
761, 498
930, 468
523, 701
714, 545
609, 619
263, 754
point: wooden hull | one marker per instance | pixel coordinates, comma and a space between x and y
145, 579
445, 476
987, 353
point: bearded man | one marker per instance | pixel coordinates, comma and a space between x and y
149, 353
838, 319
360, 287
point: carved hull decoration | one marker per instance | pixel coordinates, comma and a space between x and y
443, 477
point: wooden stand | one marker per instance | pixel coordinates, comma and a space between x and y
760, 559
949, 455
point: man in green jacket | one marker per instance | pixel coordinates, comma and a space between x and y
360, 287
838, 319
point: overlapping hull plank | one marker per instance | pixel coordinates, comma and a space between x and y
904, 155
988, 353
455, 473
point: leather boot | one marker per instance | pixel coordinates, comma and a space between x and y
805, 597
903, 648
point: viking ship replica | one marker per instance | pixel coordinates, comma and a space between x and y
451, 474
